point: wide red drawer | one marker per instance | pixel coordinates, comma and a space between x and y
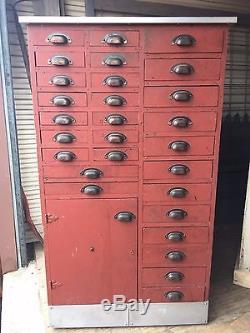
55, 138
100, 100
165, 123
105, 137
98, 60
49, 155
75, 57
187, 214
156, 277
161, 146
162, 192
101, 154
76, 99
159, 255
106, 190
164, 96
178, 171
203, 39
97, 38
78, 172
188, 294
99, 80
175, 235
103, 118
170, 69
72, 119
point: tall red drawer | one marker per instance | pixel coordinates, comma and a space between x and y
97, 38
77, 99
49, 118
191, 214
189, 294
100, 154
187, 235
165, 123
206, 39
163, 96
49, 138
156, 277
169, 69
75, 57
49, 155
101, 118
98, 99
130, 60
161, 146
165, 171
98, 80
160, 192
102, 137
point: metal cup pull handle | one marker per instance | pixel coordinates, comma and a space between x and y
63, 119
124, 216
115, 100
115, 39
58, 38
61, 81
91, 173
174, 276
177, 214
114, 81
174, 296
64, 138
182, 69
184, 40
179, 169
175, 256
181, 95
91, 189
62, 100
179, 146
175, 236
177, 192
115, 138
115, 119
114, 60
65, 156
116, 155
58, 60
180, 122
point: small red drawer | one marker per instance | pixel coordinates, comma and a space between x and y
156, 277
105, 137
49, 155
76, 172
76, 99
161, 192
75, 57
175, 235
169, 69
188, 214
161, 146
74, 119
101, 118
188, 294
130, 99
165, 123
203, 39
159, 255
164, 96
129, 60
178, 171
101, 154
97, 38
98, 80
56, 138
107, 190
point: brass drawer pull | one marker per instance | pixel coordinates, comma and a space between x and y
64, 138
59, 60
63, 119
181, 95
114, 60
174, 276
175, 236
184, 40
62, 100
175, 256
114, 81
116, 155
177, 192
182, 69
61, 81
58, 38
65, 156
91, 173
115, 119
179, 146
179, 169
124, 216
115, 138
115, 100
115, 39
177, 214
180, 122
91, 189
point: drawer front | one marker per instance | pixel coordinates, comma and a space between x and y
110, 137
107, 80
158, 255
203, 39
97, 38
167, 96
203, 145
162, 192
82, 172
101, 154
181, 214
164, 123
57, 119
92, 190
156, 277
107, 119
129, 60
75, 58
178, 171
188, 294
182, 69
55, 80
50, 155
171, 235
76, 99
100, 100
66, 139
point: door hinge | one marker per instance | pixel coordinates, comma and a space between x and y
49, 218
54, 284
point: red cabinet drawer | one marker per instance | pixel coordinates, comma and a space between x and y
165, 235
156, 277
163, 96
97, 38
107, 190
131, 80
100, 154
193, 193
158, 255
203, 145
165, 123
76, 172
189, 294
207, 39
49, 155
129, 60
165, 171
77, 99
43, 57
101, 118
51, 138
169, 69
77, 118
102, 137
191, 214
98, 99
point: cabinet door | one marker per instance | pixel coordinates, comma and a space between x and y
91, 254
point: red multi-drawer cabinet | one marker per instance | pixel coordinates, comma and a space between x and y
128, 123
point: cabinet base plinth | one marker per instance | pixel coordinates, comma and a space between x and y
157, 314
